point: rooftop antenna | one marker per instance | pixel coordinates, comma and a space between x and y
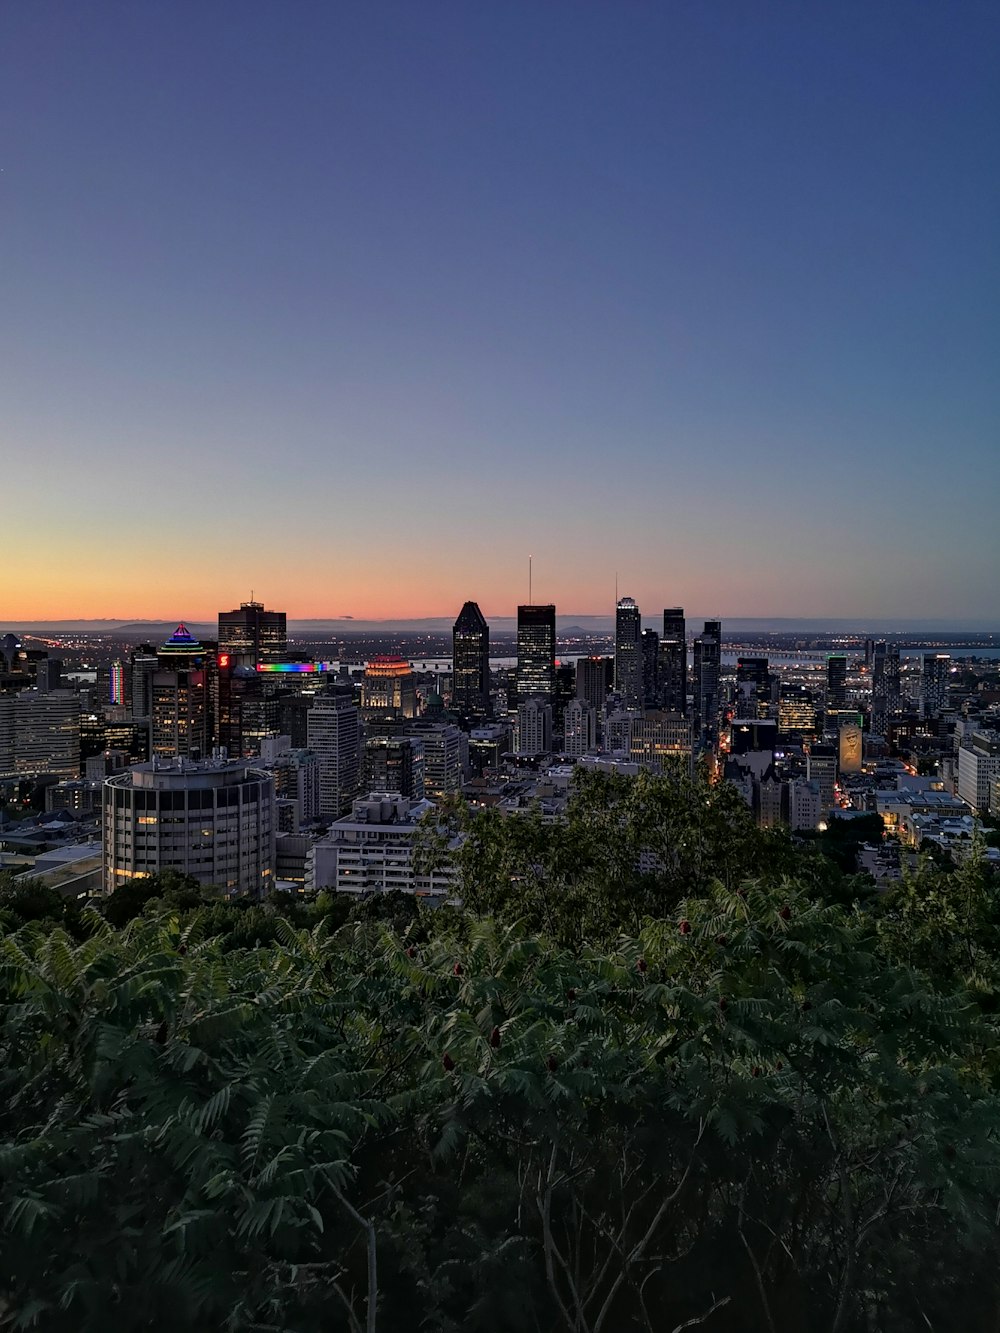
529, 581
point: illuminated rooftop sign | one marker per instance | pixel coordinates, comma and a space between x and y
286, 667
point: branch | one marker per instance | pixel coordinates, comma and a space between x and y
700, 1318
369, 1230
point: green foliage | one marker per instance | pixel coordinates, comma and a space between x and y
606, 1094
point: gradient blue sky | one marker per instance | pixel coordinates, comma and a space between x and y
359, 303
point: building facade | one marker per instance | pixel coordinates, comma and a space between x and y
536, 652
212, 820
470, 663
628, 653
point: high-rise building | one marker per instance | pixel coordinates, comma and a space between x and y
673, 661
934, 677
886, 699
394, 764
211, 820
252, 635
707, 671
821, 768
753, 687
334, 733
796, 713
536, 652
592, 680
388, 688
534, 727
836, 683
445, 756
46, 732
579, 729
470, 675
628, 658
649, 644
245, 711
181, 717
849, 747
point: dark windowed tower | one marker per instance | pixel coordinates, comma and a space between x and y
673, 661
592, 680
707, 670
753, 687
836, 683
628, 662
886, 702
536, 652
649, 642
252, 634
934, 683
470, 678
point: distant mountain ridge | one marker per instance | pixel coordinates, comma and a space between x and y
571, 625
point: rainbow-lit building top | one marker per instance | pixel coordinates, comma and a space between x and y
182, 641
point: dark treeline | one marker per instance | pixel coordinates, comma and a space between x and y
661, 1070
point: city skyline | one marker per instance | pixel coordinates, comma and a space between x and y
706, 297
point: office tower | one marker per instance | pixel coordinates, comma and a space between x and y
445, 756
253, 635
796, 713
707, 670
295, 773
46, 726
245, 712
836, 683
334, 734
394, 764
934, 683
536, 652
592, 680
376, 849
7, 735
886, 701
673, 661
209, 819
753, 736
753, 687
534, 727
470, 657
142, 666
660, 741
579, 729
821, 768
388, 688
628, 659
564, 691
649, 646
48, 673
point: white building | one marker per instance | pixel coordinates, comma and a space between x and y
212, 819
372, 850
978, 770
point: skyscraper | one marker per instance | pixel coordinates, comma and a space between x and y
836, 683
628, 660
334, 733
673, 661
649, 644
252, 634
536, 652
180, 717
886, 702
388, 688
934, 683
470, 678
753, 687
592, 680
707, 670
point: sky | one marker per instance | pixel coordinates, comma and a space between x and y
358, 304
